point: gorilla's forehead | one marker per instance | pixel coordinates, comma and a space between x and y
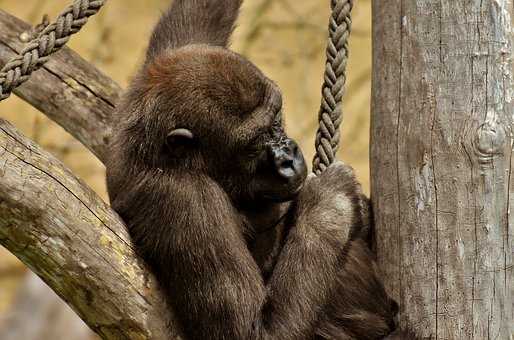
210, 77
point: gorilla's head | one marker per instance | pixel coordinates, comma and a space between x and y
204, 109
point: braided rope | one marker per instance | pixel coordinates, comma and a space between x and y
331, 113
50, 40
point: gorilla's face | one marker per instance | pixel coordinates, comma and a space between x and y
261, 162
278, 164
214, 112
255, 160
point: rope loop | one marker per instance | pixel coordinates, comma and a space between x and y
50, 39
331, 114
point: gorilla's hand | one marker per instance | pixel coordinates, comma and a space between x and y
333, 200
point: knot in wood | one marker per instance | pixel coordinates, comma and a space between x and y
489, 141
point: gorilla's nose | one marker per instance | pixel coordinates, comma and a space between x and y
288, 161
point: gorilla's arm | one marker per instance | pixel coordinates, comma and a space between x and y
359, 307
187, 231
199, 254
313, 253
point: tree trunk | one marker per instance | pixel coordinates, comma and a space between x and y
441, 159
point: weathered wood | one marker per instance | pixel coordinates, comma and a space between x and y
67, 89
66, 234
442, 163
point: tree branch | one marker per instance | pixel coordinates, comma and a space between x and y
67, 89
66, 234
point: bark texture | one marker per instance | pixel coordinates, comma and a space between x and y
67, 89
441, 156
67, 235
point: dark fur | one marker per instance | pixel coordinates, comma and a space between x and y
190, 22
192, 210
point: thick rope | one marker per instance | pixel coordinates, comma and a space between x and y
331, 114
50, 40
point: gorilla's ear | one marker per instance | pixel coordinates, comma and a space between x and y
179, 137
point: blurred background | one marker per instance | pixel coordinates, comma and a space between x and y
285, 38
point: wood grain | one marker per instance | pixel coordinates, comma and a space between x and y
66, 234
441, 168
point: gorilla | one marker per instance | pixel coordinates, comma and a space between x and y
218, 203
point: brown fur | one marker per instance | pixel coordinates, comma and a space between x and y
197, 212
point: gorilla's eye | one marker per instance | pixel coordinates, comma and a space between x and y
255, 147
179, 137
254, 152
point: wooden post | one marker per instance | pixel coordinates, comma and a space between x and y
441, 157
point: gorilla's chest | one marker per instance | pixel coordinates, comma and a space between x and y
266, 246
268, 234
